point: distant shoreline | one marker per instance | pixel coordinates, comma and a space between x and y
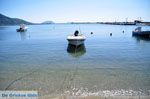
7, 21
114, 23
106, 23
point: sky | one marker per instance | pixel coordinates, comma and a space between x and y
76, 10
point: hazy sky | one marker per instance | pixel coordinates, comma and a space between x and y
76, 10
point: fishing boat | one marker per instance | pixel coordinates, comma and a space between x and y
76, 39
138, 32
22, 28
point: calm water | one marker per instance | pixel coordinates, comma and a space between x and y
38, 60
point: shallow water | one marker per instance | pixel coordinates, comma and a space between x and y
38, 59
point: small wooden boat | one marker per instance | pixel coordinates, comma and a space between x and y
22, 28
139, 32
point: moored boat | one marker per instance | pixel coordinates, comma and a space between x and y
22, 28
76, 39
138, 32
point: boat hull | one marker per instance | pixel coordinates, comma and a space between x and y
19, 30
141, 33
76, 42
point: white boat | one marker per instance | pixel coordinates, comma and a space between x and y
22, 28
76, 40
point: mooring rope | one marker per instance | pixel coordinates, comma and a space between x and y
14, 81
69, 77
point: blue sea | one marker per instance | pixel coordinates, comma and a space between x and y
106, 65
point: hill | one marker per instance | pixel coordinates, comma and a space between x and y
4, 20
48, 22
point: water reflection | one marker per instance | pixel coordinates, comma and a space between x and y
139, 38
24, 35
76, 51
3, 27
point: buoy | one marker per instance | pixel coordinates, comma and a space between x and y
123, 31
110, 34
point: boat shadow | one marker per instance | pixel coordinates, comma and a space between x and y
24, 35
76, 51
140, 38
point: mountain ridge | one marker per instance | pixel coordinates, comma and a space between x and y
5, 20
